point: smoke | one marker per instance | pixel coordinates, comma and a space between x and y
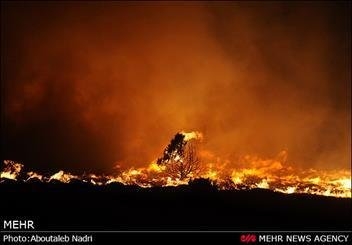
90, 84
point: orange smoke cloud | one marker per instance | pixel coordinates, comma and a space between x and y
100, 83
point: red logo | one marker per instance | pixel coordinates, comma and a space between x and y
248, 238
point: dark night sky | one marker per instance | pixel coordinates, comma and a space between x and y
89, 84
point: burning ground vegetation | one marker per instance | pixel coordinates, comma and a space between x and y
182, 161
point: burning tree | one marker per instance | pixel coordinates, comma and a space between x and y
181, 157
187, 164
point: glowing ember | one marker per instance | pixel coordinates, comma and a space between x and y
33, 175
247, 173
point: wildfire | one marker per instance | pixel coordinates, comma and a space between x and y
248, 172
11, 170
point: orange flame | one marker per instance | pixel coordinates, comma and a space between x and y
11, 170
249, 172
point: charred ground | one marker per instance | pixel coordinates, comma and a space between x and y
197, 206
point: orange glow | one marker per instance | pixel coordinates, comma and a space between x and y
248, 173
106, 82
